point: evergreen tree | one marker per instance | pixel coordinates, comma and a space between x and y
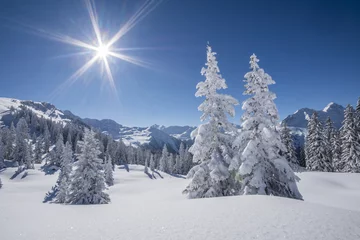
212, 147
350, 156
88, 183
2, 151
59, 147
178, 165
329, 135
22, 135
38, 151
317, 158
164, 160
338, 165
47, 142
65, 174
29, 160
290, 153
146, 170
109, 178
10, 141
263, 170
152, 162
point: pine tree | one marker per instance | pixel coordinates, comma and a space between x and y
9, 148
38, 151
171, 163
263, 170
59, 147
329, 135
338, 165
164, 160
146, 170
29, 160
109, 178
290, 153
65, 174
47, 142
212, 147
350, 156
22, 135
317, 158
152, 162
87, 181
2, 153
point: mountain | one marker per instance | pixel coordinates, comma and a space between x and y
41, 109
152, 137
298, 121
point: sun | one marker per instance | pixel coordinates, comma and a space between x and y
103, 51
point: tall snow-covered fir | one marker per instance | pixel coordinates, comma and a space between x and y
263, 170
290, 153
64, 179
87, 181
317, 154
212, 148
350, 156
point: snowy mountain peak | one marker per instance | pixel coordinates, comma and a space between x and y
333, 106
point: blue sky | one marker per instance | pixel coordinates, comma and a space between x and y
310, 48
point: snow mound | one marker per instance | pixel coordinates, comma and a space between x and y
154, 208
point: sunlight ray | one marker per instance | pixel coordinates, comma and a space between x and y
144, 10
132, 60
94, 20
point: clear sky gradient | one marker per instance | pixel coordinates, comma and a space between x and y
310, 48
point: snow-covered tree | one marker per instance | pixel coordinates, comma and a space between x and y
146, 170
317, 158
59, 147
2, 153
152, 162
22, 135
47, 142
212, 148
338, 165
109, 178
171, 163
11, 137
29, 160
38, 151
164, 160
88, 182
263, 170
65, 174
290, 153
350, 156
329, 135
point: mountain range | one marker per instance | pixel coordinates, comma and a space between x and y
155, 136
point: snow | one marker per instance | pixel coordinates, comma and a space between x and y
328, 107
144, 208
53, 113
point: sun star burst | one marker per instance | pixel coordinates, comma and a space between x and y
101, 52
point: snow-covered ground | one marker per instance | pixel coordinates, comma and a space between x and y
144, 208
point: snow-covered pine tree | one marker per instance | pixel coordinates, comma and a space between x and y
357, 119
212, 148
152, 162
178, 165
47, 142
109, 178
164, 160
350, 156
11, 137
338, 165
171, 163
38, 151
317, 158
263, 170
87, 181
59, 147
65, 174
329, 135
29, 160
146, 170
290, 153
2, 153
22, 135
